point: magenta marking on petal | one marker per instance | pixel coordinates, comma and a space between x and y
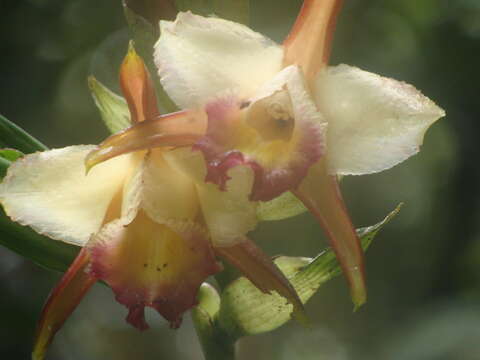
136, 317
149, 265
217, 171
171, 310
269, 182
275, 181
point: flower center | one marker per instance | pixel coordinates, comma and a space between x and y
272, 117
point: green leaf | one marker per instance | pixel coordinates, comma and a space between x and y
145, 36
48, 253
7, 156
113, 108
282, 207
12, 136
10, 154
234, 10
4, 164
245, 310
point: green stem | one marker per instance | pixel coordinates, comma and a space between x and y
216, 343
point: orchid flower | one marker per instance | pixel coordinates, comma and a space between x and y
146, 229
163, 198
280, 111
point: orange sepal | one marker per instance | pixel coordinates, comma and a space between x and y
61, 302
137, 87
320, 193
179, 129
259, 268
309, 42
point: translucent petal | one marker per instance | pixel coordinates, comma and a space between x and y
229, 214
374, 122
282, 207
199, 58
50, 192
168, 196
189, 162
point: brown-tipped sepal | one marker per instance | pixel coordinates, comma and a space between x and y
61, 302
262, 272
309, 42
137, 87
320, 193
174, 130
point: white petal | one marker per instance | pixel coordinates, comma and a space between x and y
229, 214
199, 58
50, 192
374, 122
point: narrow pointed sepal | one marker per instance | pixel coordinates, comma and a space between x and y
262, 272
137, 87
175, 130
61, 302
309, 42
320, 193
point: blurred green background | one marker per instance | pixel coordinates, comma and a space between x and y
423, 268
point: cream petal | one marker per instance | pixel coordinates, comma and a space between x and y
229, 214
50, 192
132, 193
168, 196
199, 58
187, 161
374, 122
